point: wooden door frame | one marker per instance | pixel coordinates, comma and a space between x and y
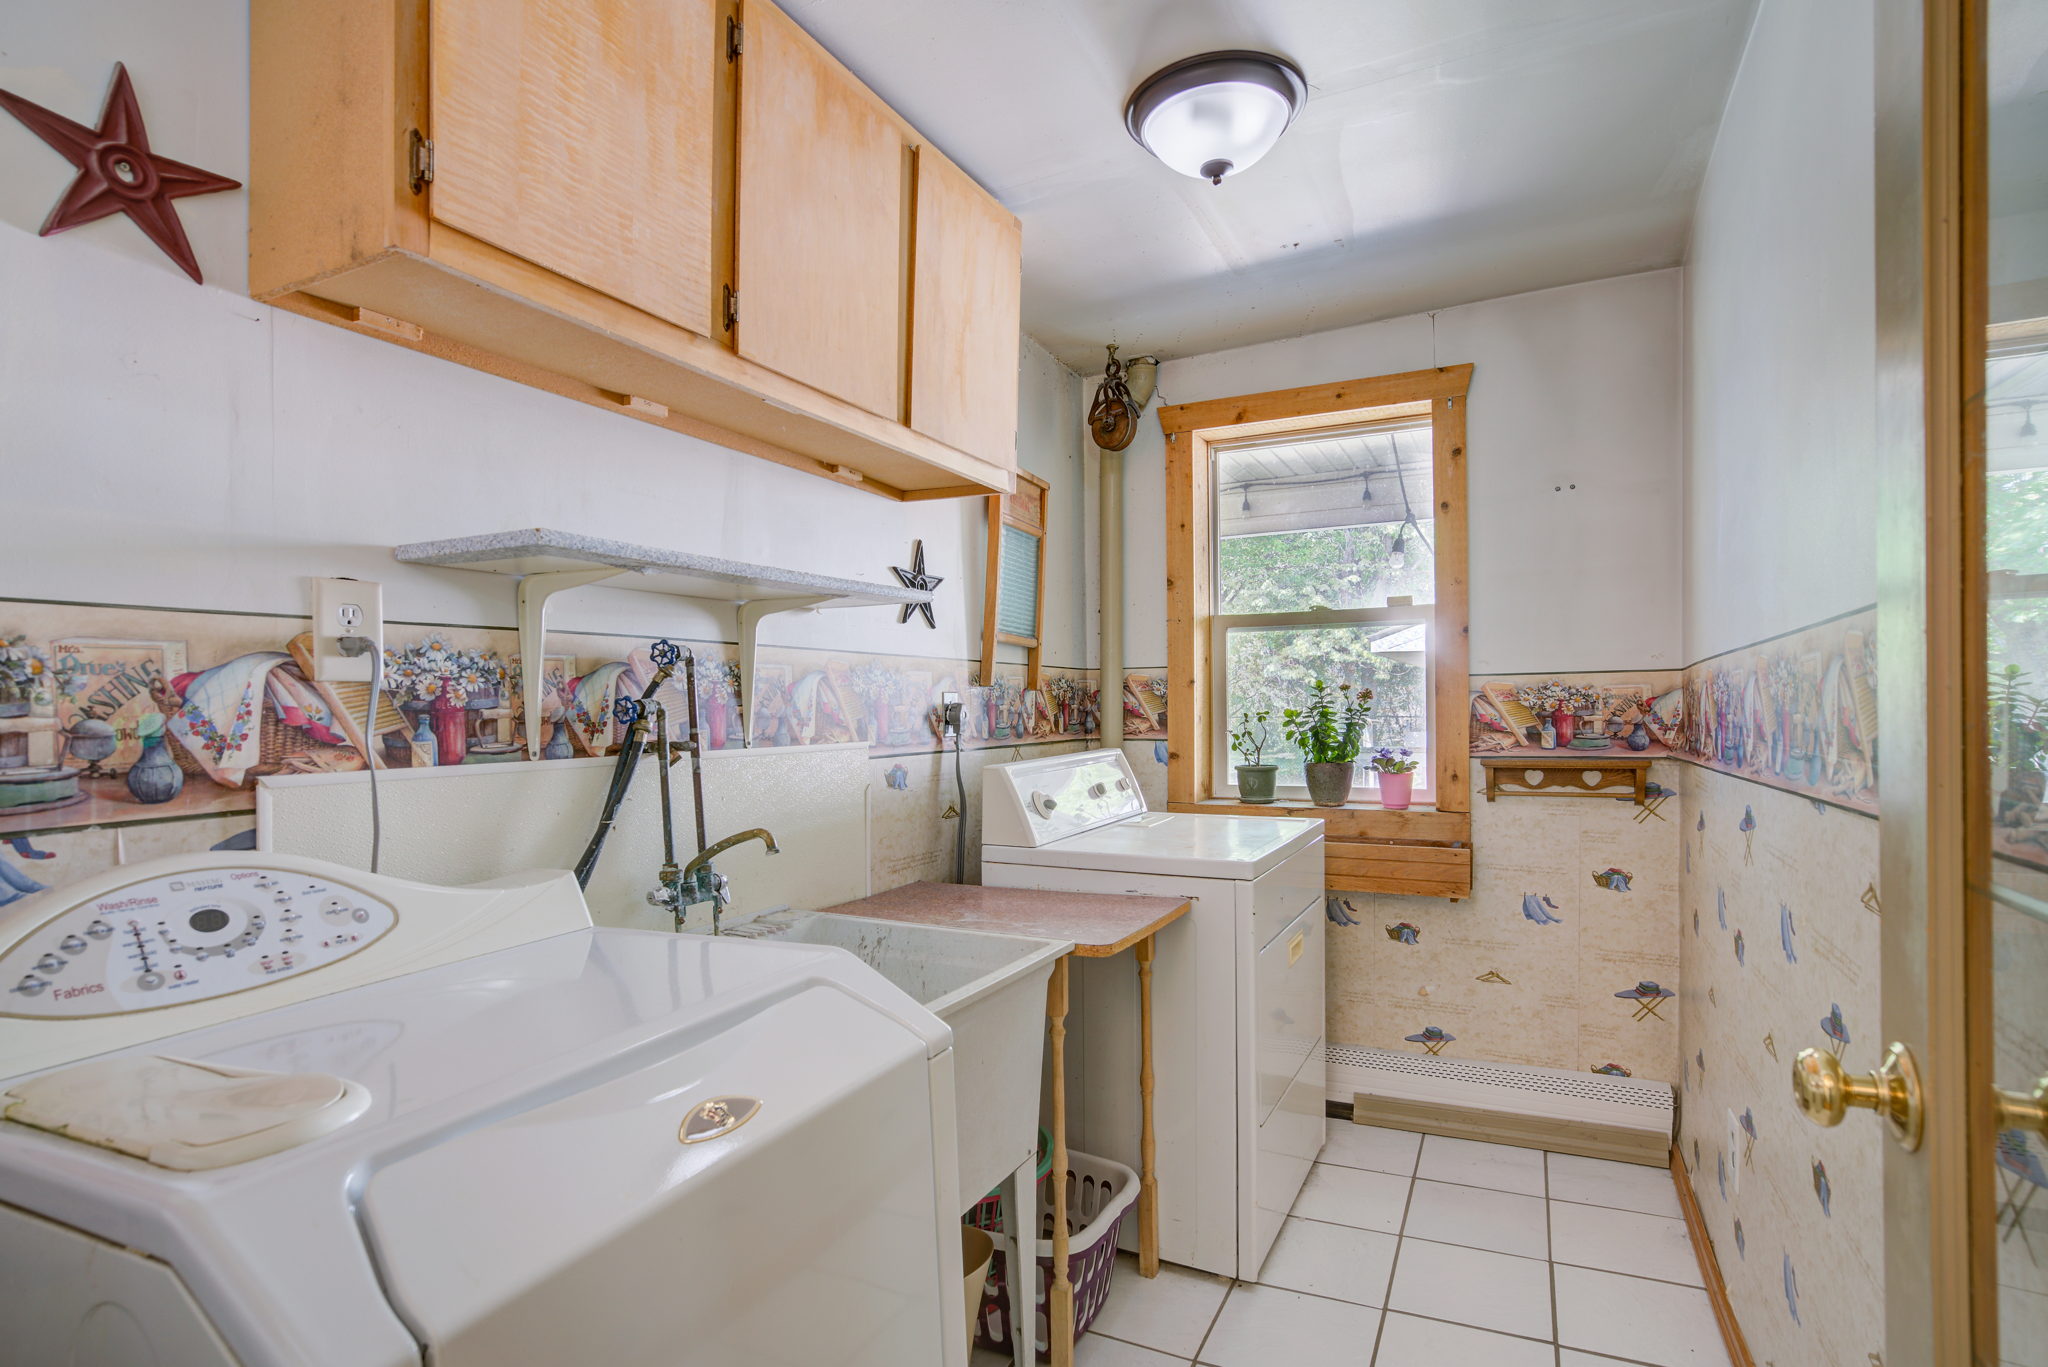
1933, 787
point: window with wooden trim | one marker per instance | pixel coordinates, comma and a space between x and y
1320, 533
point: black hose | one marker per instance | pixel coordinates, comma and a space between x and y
622, 777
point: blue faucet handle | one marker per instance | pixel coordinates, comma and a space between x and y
627, 710
665, 653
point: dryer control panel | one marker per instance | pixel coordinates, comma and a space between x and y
186, 937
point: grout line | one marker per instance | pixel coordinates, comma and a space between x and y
1312, 1295
1478, 1328
1661, 1281
1394, 1266
1602, 1205
1130, 1343
1606, 1357
1213, 1319
1339, 1224
1550, 1264
1348, 1167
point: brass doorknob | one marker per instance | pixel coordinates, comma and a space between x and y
2024, 1110
1826, 1093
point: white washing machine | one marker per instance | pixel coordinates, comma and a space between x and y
1237, 993
266, 1110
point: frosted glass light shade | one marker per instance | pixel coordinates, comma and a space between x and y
1216, 114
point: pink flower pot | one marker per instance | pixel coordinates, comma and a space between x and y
1565, 724
1395, 790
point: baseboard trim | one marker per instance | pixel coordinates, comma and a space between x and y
1710, 1266
1488, 1125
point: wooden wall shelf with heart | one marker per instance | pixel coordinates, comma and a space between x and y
1567, 776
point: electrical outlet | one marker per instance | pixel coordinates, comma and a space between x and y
351, 611
949, 714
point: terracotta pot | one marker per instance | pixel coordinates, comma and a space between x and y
1395, 790
1329, 785
1255, 781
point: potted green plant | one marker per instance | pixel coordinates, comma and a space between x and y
1329, 731
1397, 776
1249, 738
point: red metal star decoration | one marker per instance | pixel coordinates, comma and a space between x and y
117, 173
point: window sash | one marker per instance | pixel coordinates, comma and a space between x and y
1223, 763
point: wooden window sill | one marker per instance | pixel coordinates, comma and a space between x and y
1352, 821
1419, 852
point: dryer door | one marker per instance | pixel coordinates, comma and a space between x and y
624, 1223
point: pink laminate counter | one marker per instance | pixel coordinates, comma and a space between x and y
1100, 924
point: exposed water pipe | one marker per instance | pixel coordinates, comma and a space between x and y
1111, 575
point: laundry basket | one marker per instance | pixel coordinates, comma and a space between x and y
1099, 1196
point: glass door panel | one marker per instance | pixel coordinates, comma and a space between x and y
2015, 566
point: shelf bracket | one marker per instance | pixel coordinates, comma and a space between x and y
750, 615
534, 592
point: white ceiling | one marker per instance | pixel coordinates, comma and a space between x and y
1450, 150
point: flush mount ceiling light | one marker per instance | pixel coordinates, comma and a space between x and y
1216, 114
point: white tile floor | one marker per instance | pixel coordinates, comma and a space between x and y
1406, 1251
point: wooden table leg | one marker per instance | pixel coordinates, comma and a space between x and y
1148, 1177
1059, 1295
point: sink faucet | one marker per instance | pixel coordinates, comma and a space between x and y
698, 881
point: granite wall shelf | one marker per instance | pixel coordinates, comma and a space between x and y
547, 562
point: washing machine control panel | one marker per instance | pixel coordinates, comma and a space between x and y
185, 937
1035, 802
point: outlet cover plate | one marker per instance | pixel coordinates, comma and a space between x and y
337, 603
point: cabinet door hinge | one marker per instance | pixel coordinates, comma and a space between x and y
735, 38
732, 308
422, 162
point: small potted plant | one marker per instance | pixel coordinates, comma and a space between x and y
1249, 738
1329, 732
1397, 776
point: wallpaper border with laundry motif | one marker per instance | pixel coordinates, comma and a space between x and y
132, 715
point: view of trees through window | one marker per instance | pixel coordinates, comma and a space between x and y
1333, 522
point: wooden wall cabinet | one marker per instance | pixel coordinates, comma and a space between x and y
627, 203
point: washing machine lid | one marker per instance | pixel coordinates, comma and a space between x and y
449, 1057
649, 1216
1184, 843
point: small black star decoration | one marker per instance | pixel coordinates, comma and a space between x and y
916, 578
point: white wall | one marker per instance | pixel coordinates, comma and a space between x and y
1780, 534
1578, 385
1781, 510
181, 446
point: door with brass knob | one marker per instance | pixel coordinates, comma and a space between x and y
1961, 468
1826, 1093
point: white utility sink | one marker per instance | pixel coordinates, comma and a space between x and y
989, 988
